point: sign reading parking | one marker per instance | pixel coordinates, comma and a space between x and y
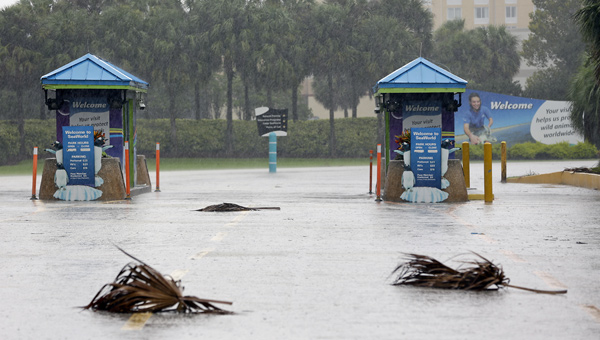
78, 154
426, 156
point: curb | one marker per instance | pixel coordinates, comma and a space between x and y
577, 179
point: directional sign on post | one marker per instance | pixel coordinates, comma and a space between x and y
78, 154
426, 156
271, 120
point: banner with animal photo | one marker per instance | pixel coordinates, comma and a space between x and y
514, 119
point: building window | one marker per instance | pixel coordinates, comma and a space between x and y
510, 1
453, 2
454, 14
511, 15
482, 16
482, 2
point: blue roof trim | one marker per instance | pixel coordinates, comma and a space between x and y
420, 73
91, 70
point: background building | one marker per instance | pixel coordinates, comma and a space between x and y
514, 14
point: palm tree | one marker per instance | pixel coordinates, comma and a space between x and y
588, 18
167, 46
584, 91
228, 26
329, 37
20, 57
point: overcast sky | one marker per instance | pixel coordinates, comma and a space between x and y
5, 3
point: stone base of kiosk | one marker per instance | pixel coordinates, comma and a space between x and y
457, 191
113, 187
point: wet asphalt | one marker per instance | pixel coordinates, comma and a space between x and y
319, 268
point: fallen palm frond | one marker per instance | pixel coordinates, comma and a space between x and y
139, 288
233, 207
425, 271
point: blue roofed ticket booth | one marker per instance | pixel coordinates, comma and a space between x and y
418, 102
96, 104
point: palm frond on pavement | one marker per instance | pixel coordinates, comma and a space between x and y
139, 288
425, 271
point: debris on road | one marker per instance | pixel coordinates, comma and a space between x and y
233, 207
425, 271
139, 288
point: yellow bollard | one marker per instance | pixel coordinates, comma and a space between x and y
503, 161
487, 169
466, 165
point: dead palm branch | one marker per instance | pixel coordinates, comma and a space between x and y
425, 271
233, 207
139, 288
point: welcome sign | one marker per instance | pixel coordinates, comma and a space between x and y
426, 156
422, 114
91, 111
78, 154
520, 120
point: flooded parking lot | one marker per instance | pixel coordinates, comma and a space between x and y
319, 268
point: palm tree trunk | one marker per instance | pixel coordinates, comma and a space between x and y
229, 114
173, 116
295, 101
247, 113
331, 117
197, 100
21, 121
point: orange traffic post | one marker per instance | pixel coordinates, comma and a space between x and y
487, 169
503, 161
370, 172
35, 161
127, 180
157, 167
466, 163
378, 187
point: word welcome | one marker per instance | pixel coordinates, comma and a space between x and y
508, 106
86, 105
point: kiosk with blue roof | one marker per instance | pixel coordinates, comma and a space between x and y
95, 103
418, 102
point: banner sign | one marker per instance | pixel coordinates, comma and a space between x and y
517, 119
271, 120
426, 156
91, 111
422, 114
418, 111
78, 154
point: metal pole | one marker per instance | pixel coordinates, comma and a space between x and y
35, 162
370, 172
127, 180
503, 161
466, 164
487, 176
272, 152
157, 167
378, 187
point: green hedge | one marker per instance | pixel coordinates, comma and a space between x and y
536, 151
40, 133
306, 139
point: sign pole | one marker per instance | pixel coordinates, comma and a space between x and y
157, 167
370, 172
378, 186
272, 152
35, 162
127, 180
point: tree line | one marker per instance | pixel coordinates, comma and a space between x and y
205, 56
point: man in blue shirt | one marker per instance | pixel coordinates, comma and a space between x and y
474, 120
